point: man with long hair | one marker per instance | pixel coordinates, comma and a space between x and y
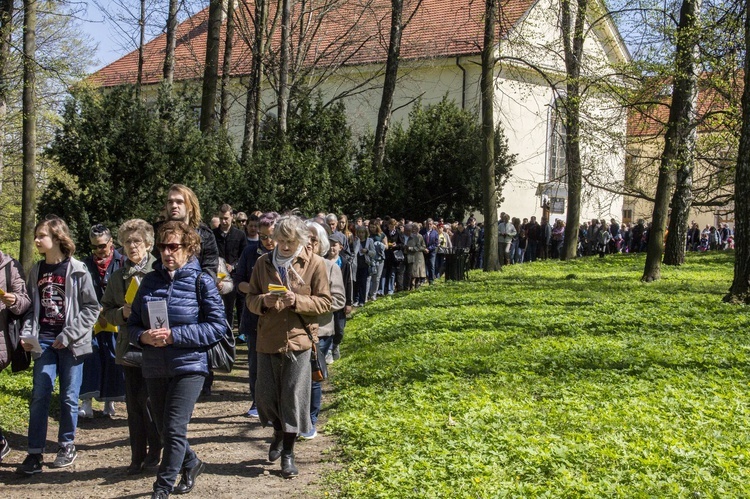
182, 206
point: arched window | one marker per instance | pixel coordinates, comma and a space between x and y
556, 166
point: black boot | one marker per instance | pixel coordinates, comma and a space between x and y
288, 469
277, 444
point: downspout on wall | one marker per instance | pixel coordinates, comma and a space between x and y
463, 82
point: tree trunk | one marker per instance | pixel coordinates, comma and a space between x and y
6, 28
489, 190
255, 84
573, 48
286, 49
389, 84
171, 43
141, 45
739, 292
227, 67
678, 147
28, 196
682, 200
211, 68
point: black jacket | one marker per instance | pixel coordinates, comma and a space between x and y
230, 245
208, 256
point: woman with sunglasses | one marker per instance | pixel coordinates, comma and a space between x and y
288, 318
103, 379
62, 317
137, 239
175, 362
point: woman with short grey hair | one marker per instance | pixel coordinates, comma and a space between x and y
288, 290
320, 245
137, 239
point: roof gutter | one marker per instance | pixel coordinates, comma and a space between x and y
463, 82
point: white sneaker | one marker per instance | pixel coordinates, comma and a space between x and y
85, 410
329, 358
109, 408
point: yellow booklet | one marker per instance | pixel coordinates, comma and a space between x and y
109, 327
277, 289
135, 282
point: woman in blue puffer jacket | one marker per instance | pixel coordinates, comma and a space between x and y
175, 361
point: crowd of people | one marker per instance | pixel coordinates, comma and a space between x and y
135, 319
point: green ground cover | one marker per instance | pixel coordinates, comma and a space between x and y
554, 379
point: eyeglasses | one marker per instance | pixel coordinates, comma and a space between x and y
172, 247
264, 238
99, 247
99, 229
134, 242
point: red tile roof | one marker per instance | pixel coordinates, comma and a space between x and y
714, 106
352, 33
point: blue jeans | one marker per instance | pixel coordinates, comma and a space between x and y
173, 400
324, 345
391, 268
363, 279
252, 361
374, 282
52, 364
429, 261
339, 323
520, 253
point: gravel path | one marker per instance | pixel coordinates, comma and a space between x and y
233, 447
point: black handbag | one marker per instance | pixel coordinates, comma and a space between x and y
319, 373
398, 255
223, 353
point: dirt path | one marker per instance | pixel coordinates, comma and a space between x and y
233, 447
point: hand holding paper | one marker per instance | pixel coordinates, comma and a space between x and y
31, 341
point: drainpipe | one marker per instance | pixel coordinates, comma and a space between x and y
463, 82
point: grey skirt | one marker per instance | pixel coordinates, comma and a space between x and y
283, 390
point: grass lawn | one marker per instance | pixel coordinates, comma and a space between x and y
552, 379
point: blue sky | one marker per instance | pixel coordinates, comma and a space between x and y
96, 27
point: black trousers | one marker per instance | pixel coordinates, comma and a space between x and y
173, 400
144, 439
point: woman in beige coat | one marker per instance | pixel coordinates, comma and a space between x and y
286, 317
415, 251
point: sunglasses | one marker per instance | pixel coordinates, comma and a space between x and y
242, 222
99, 247
172, 247
264, 238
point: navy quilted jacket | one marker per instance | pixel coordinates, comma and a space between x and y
194, 326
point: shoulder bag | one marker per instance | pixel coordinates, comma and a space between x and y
223, 353
319, 374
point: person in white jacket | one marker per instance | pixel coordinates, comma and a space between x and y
506, 231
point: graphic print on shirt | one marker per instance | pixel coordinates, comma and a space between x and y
52, 294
